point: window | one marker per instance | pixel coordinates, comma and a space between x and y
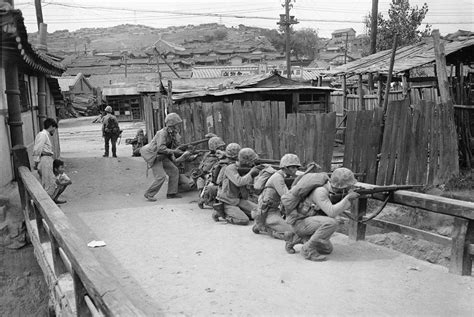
312, 102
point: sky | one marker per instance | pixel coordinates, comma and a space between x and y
323, 15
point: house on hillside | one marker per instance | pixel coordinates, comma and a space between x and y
339, 37
28, 90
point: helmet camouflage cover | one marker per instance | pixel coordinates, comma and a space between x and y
232, 150
172, 119
342, 178
290, 160
215, 142
247, 156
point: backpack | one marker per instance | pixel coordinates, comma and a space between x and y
112, 126
261, 179
302, 189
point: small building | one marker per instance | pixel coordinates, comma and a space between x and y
125, 100
338, 37
28, 90
298, 96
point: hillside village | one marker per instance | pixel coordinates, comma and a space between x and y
107, 55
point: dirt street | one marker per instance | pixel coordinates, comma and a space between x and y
188, 265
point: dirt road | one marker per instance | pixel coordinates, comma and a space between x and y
188, 265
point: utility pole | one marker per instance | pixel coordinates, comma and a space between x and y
345, 48
286, 21
39, 12
373, 36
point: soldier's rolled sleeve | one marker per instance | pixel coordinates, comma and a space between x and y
161, 141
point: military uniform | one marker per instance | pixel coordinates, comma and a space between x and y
234, 195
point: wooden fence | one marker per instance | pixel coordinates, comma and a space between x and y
461, 242
65, 259
263, 126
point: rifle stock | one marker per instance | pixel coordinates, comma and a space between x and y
197, 142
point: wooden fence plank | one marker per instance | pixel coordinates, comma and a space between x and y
275, 129
414, 144
428, 113
310, 123
375, 136
259, 130
330, 133
420, 151
266, 123
349, 138
393, 140
228, 119
434, 146
247, 124
282, 127
318, 138
299, 132
238, 122
291, 133
217, 110
385, 151
208, 117
403, 145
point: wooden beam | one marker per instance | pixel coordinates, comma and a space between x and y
441, 73
390, 71
416, 233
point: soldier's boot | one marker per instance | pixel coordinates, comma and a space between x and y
218, 211
310, 254
259, 226
278, 235
291, 239
201, 203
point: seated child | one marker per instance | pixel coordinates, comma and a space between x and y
62, 180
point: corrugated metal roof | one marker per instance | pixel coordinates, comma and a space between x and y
66, 82
406, 57
218, 71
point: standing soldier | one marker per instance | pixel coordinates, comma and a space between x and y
166, 141
268, 217
110, 131
314, 219
43, 155
233, 193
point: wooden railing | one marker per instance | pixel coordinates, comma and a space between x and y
96, 292
461, 241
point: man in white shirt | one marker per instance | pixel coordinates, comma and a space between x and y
43, 155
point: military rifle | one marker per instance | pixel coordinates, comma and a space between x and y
367, 192
183, 147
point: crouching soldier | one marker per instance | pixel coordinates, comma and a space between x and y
202, 174
267, 216
233, 193
209, 193
314, 220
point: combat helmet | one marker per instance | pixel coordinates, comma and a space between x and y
247, 156
215, 142
342, 178
172, 119
232, 150
290, 160
108, 109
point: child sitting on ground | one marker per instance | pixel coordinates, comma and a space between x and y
62, 180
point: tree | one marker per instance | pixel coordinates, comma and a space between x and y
305, 43
403, 19
220, 34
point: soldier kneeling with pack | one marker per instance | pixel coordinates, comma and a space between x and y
268, 217
233, 193
314, 218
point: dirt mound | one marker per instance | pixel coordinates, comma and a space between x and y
419, 249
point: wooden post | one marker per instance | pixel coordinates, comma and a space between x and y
357, 229
59, 267
379, 90
390, 70
344, 94
42, 234
79, 293
20, 158
41, 100
361, 94
463, 233
12, 91
170, 94
441, 72
461, 83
